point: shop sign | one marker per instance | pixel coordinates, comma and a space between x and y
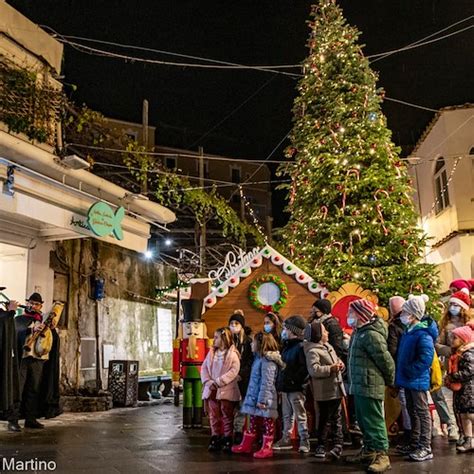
102, 220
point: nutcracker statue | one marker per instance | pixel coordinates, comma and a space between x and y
189, 351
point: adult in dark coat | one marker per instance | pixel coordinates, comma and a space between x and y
49, 406
9, 377
243, 342
395, 328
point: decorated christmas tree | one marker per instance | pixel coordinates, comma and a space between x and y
352, 215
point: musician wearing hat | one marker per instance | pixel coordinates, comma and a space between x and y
189, 351
31, 364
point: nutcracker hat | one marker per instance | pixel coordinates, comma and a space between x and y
36, 298
192, 311
461, 298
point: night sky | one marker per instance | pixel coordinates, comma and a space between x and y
187, 103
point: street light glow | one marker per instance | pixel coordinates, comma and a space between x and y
148, 254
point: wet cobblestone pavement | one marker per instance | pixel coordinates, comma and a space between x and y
150, 440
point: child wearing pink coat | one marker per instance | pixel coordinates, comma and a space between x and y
220, 390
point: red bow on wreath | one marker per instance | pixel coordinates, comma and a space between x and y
267, 308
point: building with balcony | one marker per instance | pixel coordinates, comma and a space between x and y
65, 232
443, 168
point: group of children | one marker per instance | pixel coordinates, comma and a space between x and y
266, 378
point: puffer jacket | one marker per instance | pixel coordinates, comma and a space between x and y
261, 387
227, 386
371, 367
325, 385
464, 398
295, 374
415, 355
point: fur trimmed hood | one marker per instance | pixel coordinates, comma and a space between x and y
275, 356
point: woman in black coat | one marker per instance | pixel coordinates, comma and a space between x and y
243, 342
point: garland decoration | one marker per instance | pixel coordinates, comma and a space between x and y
268, 278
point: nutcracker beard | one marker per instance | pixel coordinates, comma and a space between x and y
192, 347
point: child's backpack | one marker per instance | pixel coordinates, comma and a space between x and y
436, 376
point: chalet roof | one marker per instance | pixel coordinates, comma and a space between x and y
235, 271
435, 119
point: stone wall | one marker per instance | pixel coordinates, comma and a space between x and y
127, 314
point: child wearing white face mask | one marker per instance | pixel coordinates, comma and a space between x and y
414, 358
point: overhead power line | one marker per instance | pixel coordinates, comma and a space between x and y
219, 64
172, 154
381, 56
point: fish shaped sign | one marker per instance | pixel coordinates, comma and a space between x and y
103, 221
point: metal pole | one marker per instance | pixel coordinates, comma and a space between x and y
144, 184
98, 376
202, 235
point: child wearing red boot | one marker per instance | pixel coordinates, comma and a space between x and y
261, 400
220, 390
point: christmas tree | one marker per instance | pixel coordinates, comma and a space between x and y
352, 215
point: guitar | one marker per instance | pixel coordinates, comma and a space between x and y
40, 342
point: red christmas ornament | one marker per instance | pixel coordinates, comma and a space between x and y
301, 277
232, 280
209, 301
277, 258
255, 261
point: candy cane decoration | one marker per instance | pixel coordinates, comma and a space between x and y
324, 211
338, 244
355, 172
379, 208
357, 234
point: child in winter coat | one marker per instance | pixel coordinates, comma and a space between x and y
261, 400
461, 381
371, 369
414, 359
291, 383
243, 343
325, 367
219, 375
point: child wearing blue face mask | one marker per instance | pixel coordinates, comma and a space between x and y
272, 325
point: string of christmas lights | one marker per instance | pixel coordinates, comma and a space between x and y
252, 215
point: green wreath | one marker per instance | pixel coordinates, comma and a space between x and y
269, 278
